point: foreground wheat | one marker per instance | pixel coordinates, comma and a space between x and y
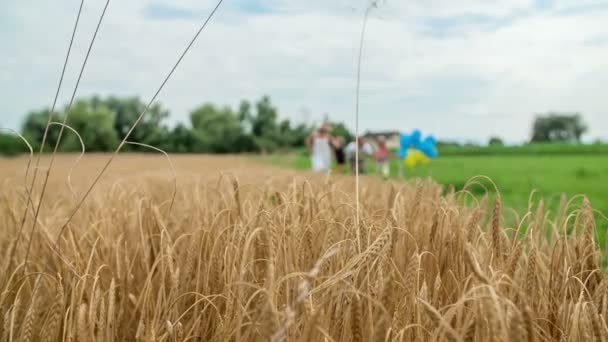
265, 255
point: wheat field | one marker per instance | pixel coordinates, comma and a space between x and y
227, 249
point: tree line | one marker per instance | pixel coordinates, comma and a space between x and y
103, 122
253, 127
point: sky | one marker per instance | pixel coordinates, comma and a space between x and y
458, 69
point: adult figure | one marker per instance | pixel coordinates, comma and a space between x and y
319, 145
365, 149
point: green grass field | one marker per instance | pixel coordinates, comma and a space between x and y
544, 149
515, 174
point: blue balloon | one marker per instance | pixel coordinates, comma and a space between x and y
427, 146
406, 141
416, 136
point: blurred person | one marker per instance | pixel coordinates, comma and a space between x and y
339, 155
319, 145
381, 156
365, 149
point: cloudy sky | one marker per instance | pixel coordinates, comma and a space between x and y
461, 69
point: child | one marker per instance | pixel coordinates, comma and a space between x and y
381, 156
364, 149
319, 146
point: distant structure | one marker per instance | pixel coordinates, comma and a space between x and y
392, 137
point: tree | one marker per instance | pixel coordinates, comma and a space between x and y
340, 130
286, 139
245, 117
95, 126
150, 130
558, 127
103, 122
180, 139
265, 120
93, 122
264, 126
11, 145
299, 134
496, 141
35, 124
216, 130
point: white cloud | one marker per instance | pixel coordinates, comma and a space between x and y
473, 82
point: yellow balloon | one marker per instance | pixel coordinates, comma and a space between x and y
410, 161
414, 158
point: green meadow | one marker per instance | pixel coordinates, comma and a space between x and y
516, 171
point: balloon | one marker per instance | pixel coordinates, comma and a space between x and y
410, 161
416, 135
428, 147
408, 141
414, 158
414, 151
424, 160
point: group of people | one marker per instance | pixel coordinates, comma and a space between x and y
325, 149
